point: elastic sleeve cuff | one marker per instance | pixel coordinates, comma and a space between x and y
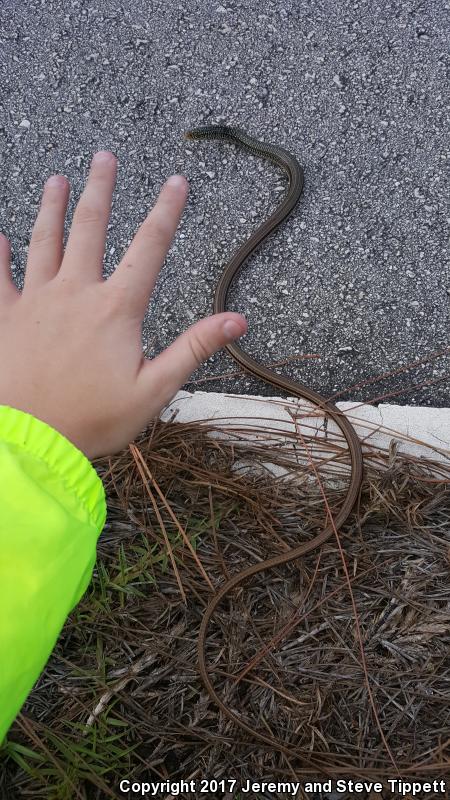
24, 431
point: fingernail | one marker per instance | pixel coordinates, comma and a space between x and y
102, 156
56, 180
232, 330
176, 180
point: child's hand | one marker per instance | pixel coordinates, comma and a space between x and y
70, 343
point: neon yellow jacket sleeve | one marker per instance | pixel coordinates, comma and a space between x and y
52, 511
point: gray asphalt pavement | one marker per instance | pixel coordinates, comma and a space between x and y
359, 91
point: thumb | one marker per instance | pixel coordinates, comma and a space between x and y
162, 377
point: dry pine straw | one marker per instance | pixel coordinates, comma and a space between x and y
128, 651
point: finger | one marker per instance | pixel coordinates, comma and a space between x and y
47, 238
140, 266
8, 289
164, 375
85, 247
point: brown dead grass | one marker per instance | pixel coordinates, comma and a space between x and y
189, 506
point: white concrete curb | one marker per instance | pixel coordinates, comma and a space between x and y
426, 430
